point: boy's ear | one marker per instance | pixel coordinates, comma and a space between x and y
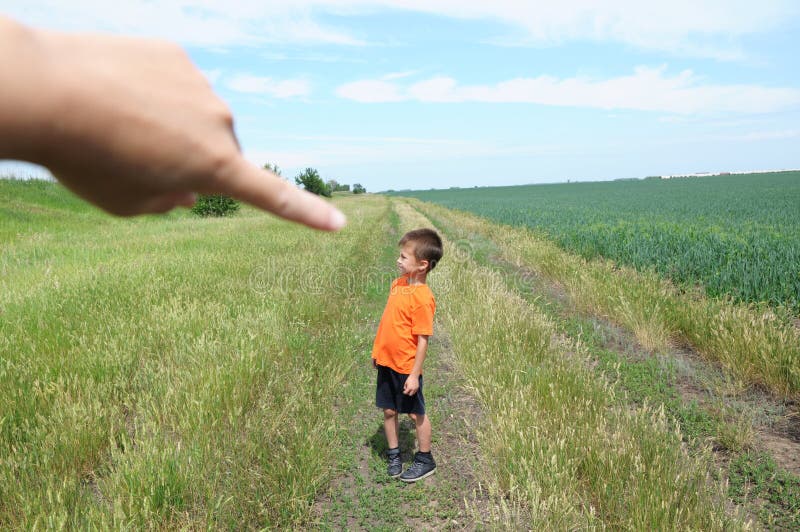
424, 265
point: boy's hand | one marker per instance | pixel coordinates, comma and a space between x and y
412, 385
374, 364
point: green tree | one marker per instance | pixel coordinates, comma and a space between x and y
358, 189
312, 182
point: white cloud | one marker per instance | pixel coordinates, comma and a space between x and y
326, 151
363, 139
311, 57
647, 89
689, 27
706, 28
286, 88
371, 91
765, 135
208, 23
399, 75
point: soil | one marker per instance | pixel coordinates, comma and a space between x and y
451, 499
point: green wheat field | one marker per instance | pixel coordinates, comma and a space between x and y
630, 349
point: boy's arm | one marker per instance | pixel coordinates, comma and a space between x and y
412, 382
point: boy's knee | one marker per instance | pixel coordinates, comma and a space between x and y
389, 413
418, 418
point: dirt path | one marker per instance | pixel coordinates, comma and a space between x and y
363, 497
775, 422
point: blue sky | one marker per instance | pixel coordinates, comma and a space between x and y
413, 94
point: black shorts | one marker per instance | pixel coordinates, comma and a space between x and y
389, 393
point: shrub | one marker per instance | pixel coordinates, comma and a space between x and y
215, 205
358, 189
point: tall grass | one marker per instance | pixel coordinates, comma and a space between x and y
179, 373
752, 343
564, 455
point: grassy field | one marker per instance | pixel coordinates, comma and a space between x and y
755, 346
158, 372
175, 372
734, 235
563, 454
551, 316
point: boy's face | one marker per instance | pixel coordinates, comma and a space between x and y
407, 262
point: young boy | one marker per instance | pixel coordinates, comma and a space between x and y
400, 347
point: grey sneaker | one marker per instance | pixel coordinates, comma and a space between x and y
423, 466
395, 466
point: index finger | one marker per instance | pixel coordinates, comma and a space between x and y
266, 190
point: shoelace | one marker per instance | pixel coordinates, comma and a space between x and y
416, 467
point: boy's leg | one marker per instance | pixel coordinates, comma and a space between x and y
423, 432
391, 425
424, 465
391, 420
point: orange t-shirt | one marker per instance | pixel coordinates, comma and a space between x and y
408, 313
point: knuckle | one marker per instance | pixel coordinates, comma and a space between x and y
217, 110
225, 115
221, 165
220, 162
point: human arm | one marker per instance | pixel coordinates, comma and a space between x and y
412, 381
131, 126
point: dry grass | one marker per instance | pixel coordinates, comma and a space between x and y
563, 453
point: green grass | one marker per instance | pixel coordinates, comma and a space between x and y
755, 478
32, 196
563, 453
755, 346
737, 236
643, 378
363, 496
172, 372
176, 372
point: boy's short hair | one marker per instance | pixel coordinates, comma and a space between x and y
427, 245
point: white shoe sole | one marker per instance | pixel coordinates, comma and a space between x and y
426, 475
